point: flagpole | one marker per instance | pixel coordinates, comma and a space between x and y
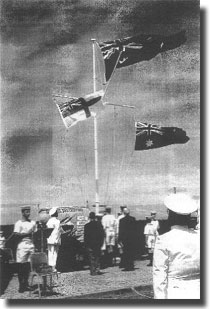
95, 135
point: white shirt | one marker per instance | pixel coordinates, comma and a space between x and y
176, 264
118, 222
109, 222
55, 237
155, 223
25, 227
150, 229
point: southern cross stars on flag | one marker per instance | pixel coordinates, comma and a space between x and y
149, 136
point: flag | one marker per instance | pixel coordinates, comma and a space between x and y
136, 49
77, 109
149, 136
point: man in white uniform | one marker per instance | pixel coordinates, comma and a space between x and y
109, 225
154, 221
24, 230
176, 264
119, 246
54, 240
151, 233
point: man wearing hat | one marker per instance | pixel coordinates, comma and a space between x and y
54, 240
127, 237
176, 265
93, 239
24, 230
154, 221
150, 232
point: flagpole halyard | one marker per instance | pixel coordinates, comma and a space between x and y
95, 135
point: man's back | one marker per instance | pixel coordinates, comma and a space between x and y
93, 234
176, 270
127, 229
108, 221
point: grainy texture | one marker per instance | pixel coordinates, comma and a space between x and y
80, 283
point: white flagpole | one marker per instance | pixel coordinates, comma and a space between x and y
95, 135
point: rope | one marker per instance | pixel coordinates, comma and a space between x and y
112, 157
127, 167
85, 159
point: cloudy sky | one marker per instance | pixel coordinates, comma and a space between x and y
46, 48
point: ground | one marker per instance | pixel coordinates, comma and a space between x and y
113, 283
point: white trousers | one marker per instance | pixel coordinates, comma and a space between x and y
52, 254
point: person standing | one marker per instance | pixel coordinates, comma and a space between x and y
54, 240
119, 246
176, 265
24, 230
2, 240
93, 239
150, 232
127, 237
109, 224
154, 221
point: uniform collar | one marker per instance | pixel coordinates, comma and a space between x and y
179, 227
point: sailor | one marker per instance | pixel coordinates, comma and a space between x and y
109, 224
24, 230
176, 265
54, 240
154, 221
150, 232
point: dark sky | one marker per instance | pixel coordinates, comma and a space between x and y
46, 48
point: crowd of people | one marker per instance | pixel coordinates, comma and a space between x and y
103, 235
174, 256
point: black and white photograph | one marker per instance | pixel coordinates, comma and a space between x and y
100, 151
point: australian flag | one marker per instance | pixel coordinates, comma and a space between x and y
136, 49
149, 136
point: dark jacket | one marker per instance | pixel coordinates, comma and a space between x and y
127, 230
93, 235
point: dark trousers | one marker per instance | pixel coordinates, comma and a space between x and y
94, 259
128, 256
23, 274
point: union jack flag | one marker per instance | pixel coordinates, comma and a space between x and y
142, 128
150, 136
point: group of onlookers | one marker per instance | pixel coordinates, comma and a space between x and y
24, 230
104, 235
118, 237
175, 255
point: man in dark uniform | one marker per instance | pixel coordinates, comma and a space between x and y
94, 238
127, 237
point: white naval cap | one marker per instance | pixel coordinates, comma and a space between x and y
52, 211
180, 203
